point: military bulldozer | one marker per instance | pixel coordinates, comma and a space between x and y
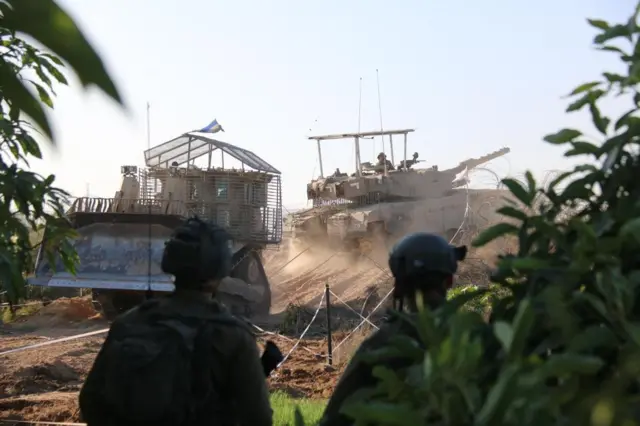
121, 239
380, 202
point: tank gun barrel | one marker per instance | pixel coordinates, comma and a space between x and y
472, 163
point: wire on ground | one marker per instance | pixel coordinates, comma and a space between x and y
51, 342
353, 310
305, 330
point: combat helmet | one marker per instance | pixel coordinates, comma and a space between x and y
423, 261
422, 252
198, 251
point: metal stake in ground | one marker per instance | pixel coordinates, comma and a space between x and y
327, 301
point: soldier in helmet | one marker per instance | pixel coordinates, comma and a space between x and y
419, 262
180, 359
382, 160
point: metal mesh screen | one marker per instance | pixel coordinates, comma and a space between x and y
247, 204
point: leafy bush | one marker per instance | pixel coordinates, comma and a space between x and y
562, 345
28, 200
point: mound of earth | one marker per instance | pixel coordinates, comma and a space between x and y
42, 384
61, 312
47, 377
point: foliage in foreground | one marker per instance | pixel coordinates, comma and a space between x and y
562, 347
28, 77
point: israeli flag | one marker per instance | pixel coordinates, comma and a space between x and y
213, 127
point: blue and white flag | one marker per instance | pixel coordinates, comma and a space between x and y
213, 127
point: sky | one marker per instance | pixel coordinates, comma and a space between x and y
470, 76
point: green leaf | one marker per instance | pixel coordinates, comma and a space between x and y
44, 95
497, 401
54, 58
408, 347
595, 336
625, 119
21, 100
563, 136
494, 232
585, 87
565, 364
53, 70
613, 49
598, 23
522, 325
631, 230
504, 333
633, 330
531, 182
518, 191
594, 302
601, 123
611, 33
562, 176
298, 418
577, 190
50, 25
389, 378
583, 148
614, 78
512, 212
382, 413
588, 98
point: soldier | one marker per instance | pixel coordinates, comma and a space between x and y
419, 262
181, 359
382, 160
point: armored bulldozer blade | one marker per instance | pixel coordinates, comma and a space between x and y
119, 260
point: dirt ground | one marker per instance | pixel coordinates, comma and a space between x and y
42, 383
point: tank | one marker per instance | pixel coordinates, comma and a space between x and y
380, 202
120, 240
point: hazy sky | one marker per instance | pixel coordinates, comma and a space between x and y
470, 76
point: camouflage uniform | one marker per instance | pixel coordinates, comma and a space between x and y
235, 361
358, 375
240, 395
419, 251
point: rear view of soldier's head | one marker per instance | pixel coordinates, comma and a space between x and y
425, 263
197, 255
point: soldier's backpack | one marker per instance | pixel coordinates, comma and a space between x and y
159, 372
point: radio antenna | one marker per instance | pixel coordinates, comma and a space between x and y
380, 112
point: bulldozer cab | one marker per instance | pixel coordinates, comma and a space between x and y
120, 240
